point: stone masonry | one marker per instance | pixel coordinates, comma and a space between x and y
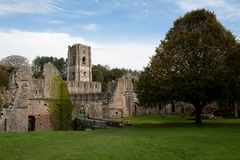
26, 106
120, 99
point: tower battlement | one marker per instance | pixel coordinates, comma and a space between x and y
79, 45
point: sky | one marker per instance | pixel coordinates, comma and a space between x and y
121, 33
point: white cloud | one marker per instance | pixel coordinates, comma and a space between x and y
224, 9
28, 6
55, 22
30, 44
89, 27
124, 55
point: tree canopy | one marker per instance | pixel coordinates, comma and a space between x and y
59, 63
190, 63
15, 61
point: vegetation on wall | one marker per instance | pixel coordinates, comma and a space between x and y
60, 105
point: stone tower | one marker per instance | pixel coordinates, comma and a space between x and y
79, 63
79, 70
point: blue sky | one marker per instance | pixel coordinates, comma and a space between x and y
122, 33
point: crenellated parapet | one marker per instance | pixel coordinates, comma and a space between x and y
83, 87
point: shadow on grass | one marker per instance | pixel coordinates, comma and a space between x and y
189, 125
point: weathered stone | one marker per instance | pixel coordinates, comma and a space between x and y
26, 100
120, 99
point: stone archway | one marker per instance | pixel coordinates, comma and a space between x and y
135, 109
31, 123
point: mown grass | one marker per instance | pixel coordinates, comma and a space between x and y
151, 137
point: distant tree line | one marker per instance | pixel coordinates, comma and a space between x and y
100, 73
59, 63
104, 74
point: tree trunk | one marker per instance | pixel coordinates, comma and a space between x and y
236, 109
198, 109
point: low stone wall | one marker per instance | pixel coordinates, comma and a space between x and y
14, 120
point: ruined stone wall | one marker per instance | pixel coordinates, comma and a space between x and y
14, 120
49, 73
119, 101
37, 88
178, 108
83, 87
123, 98
39, 110
117, 104
27, 97
92, 103
19, 88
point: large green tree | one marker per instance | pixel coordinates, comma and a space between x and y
232, 82
189, 64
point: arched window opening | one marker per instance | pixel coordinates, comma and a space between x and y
83, 60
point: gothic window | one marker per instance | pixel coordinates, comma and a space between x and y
83, 60
84, 73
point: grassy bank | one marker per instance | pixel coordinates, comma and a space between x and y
153, 137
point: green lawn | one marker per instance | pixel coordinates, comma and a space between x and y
153, 137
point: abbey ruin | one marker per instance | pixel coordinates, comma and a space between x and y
119, 100
25, 102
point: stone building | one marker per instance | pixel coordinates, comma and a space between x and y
26, 99
24, 105
120, 99
25, 102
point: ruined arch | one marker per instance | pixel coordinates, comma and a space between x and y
135, 110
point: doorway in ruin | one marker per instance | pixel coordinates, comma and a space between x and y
31, 123
135, 110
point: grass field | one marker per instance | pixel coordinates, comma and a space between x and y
151, 137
